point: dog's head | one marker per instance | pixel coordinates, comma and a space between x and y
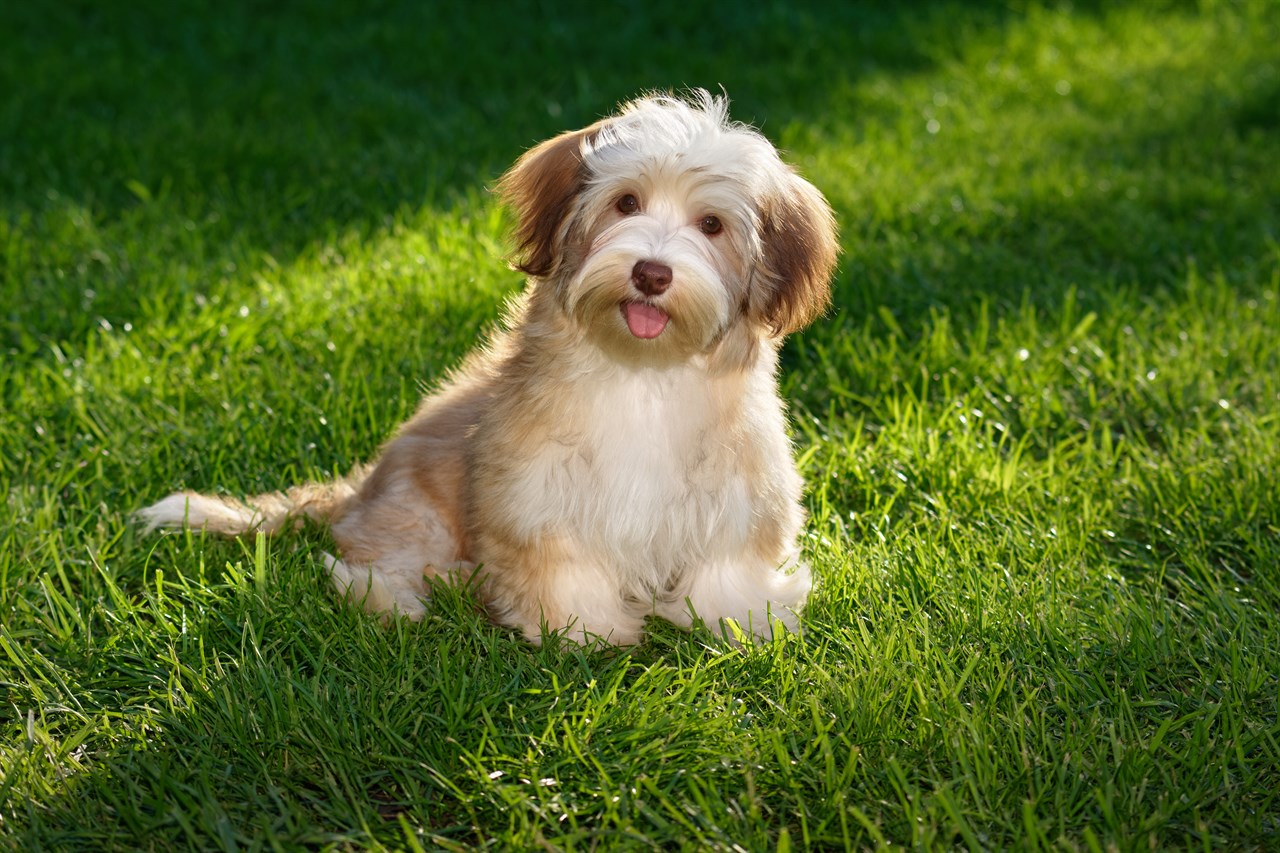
668, 230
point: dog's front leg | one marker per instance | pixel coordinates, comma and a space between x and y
551, 584
748, 591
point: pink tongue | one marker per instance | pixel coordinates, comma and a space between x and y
644, 321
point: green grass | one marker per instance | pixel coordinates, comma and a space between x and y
1040, 429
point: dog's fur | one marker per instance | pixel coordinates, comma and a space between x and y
620, 449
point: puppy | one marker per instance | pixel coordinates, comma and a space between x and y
619, 449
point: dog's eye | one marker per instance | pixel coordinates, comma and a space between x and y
710, 225
628, 204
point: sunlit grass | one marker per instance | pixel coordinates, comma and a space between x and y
1039, 429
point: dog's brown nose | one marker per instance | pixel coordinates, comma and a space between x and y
651, 278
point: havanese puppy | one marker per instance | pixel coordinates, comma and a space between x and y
619, 449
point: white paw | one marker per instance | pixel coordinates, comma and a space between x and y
365, 586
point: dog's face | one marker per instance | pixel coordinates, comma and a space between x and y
668, 231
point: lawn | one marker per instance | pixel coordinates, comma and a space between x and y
1040, 429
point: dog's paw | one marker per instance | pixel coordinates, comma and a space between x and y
363, 585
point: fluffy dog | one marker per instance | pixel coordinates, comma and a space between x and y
619, 449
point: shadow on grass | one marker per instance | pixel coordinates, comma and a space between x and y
224, 134
1181, 186
240, 137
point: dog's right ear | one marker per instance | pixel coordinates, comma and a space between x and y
540, 189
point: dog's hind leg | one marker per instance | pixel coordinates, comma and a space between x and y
383, 592
391, 537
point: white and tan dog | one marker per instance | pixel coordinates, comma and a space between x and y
619, 450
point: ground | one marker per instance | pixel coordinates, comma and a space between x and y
1038, 429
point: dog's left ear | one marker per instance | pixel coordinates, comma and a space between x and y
793, 284
540, 189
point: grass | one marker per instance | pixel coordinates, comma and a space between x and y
1040, 428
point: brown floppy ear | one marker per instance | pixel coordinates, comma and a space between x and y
793, 286
540, 189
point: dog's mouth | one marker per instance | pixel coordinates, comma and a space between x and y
643, 320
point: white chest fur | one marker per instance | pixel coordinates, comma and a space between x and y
642, 473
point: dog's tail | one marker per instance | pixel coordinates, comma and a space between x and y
268, 513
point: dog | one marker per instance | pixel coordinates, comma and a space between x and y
618, 450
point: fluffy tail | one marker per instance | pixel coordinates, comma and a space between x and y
268, 513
